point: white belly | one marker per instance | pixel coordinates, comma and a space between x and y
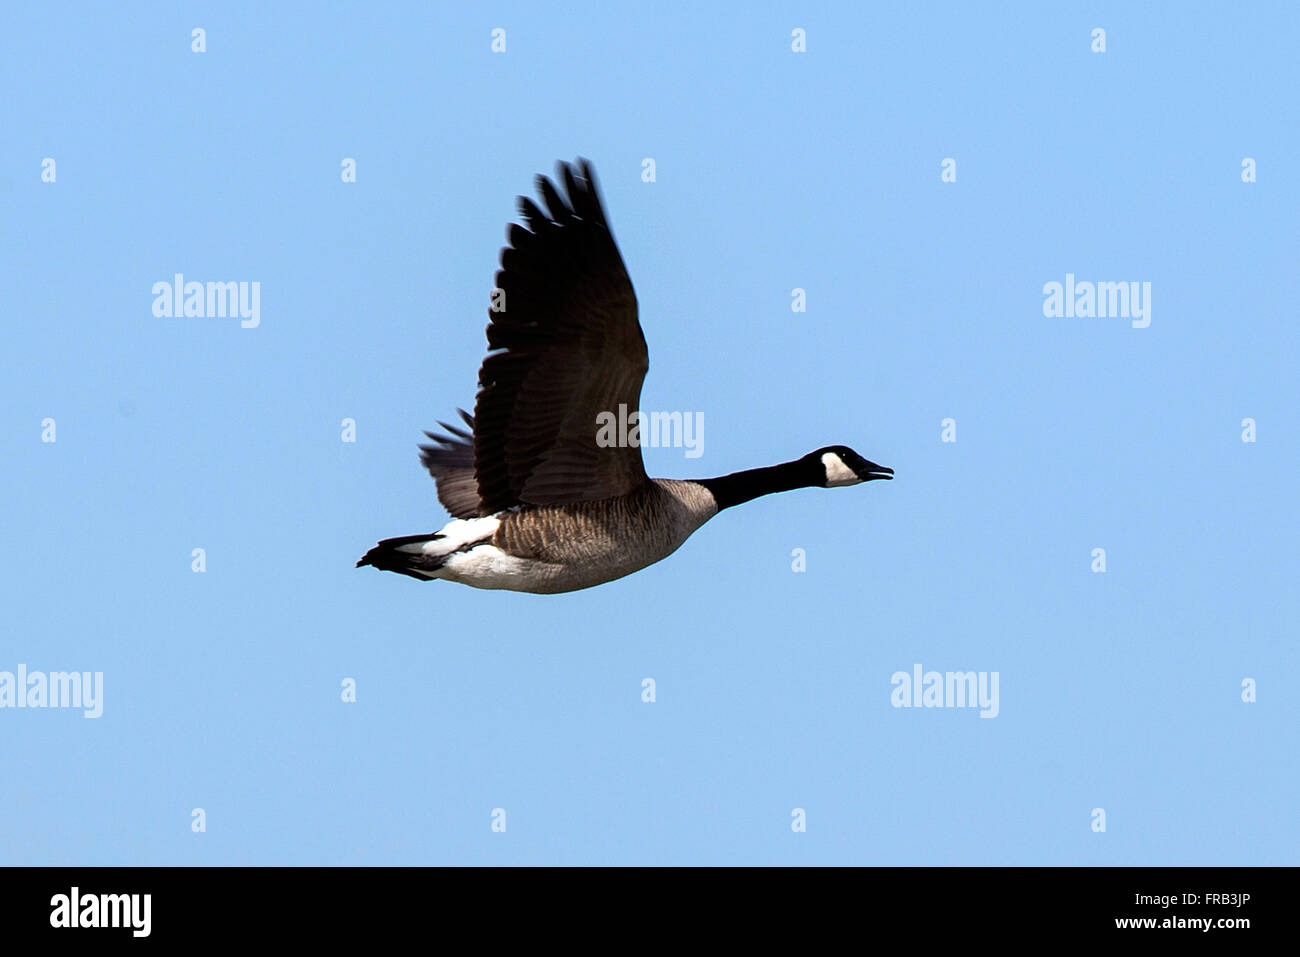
486, 566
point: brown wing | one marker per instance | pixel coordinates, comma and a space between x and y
566, 347
451, 463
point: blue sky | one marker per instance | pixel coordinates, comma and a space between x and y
775, 170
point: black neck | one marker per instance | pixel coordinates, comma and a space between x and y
740, 487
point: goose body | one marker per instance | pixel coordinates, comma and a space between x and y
538, 504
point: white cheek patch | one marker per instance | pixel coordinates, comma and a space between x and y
837, 473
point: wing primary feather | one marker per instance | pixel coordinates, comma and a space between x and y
567, 347
560, 212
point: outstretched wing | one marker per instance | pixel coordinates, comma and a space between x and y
451, 463
566, 347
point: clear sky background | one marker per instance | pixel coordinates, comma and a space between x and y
775, 170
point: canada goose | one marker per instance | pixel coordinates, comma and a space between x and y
538, 504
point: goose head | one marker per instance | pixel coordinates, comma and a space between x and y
840, 465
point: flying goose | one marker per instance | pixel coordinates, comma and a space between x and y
537, 504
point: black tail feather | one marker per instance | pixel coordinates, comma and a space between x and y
389, 556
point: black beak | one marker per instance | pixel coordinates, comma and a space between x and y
874, 471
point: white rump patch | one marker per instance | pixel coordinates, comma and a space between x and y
837, 473
456, 534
